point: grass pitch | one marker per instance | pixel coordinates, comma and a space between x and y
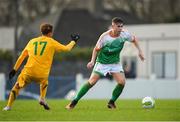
92, 110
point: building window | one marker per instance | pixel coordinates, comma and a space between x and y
164, 64
130, 67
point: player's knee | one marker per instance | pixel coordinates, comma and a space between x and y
93, 80
122, 81
91, 84
14, 93
17, 86
44, 86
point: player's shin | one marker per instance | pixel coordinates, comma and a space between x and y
117, 92
13, 94
84, 89
43, 91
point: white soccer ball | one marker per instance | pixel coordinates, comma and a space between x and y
148, 102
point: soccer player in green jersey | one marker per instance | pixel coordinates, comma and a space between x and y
106, 60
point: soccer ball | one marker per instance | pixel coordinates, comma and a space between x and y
148, 102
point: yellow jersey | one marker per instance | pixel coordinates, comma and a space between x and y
40, 52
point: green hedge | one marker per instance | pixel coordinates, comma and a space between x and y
76, 54
6, 55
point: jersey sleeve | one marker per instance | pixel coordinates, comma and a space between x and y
129, 37
99, 43
60, 47
21, 58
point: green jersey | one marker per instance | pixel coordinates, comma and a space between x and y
110, 47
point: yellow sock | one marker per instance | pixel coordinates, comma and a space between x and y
43, 90
13, 94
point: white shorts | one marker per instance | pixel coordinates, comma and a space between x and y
104, 69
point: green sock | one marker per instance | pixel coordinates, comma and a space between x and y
83, 91
117, 91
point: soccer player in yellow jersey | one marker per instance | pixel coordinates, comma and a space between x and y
40, 52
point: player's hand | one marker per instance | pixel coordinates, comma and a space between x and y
90, 65
141, 56
75, 37
12, 73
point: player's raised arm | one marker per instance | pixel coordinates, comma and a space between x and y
68, 47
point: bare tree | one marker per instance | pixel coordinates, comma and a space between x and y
151, 10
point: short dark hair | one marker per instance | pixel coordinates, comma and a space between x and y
46, 28
117, 20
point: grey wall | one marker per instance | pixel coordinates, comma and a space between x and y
134, 89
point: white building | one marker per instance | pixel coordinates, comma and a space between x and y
161, 46
6, 38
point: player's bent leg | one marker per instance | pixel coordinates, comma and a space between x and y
120, 78
83, 90
13, 94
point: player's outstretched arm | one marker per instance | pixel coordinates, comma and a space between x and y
60, 47
141, 55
